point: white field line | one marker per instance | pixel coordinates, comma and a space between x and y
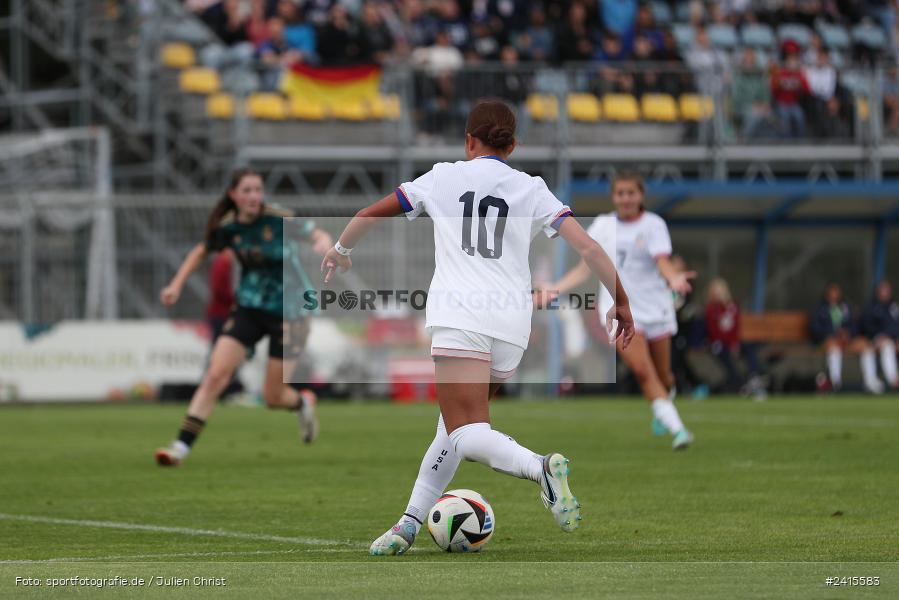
143, 557
260, 537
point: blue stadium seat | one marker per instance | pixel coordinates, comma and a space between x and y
722, 35
661, 12
834, 36
796, 32
869, 35
758, 35
684, 35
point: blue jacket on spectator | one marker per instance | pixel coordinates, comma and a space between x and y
827, 319
881, 318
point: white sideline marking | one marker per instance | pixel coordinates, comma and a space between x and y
182, 530
140, 557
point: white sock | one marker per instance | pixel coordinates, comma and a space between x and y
180, 448
888, 363
869, 367
664, 410
478, 442
436, 471
835, 366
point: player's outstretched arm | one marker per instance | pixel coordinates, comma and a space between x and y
678, 280
338, 257
599, 262
194, 259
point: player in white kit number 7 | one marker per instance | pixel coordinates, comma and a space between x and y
485, 215
639, 241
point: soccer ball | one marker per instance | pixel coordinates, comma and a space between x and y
461, 521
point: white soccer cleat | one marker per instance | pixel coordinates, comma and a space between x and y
395, 541
874, 386
171, 456
556, 494
307, 417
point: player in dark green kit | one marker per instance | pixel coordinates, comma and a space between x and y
269, 263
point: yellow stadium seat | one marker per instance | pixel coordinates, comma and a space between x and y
199, 80
385, 107
694, 107
620, 107
220, 106
542, 107
659, 107
178, 55
861, 107
349, 110
268, 106
308, 110
583, 107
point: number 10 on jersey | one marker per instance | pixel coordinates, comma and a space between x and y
467, 200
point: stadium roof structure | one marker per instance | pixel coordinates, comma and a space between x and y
761, 206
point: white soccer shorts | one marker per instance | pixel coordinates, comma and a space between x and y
459, 343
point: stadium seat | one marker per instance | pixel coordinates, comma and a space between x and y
694, 107
301, 108
722, 35
349, 110
620, 107
220, 106
835, 36
385, 107
796, 32
661, 12
758, 35
543, 107
684, 35
583, 107
868, 35
659, 107
178, 55
268, 106
199, 80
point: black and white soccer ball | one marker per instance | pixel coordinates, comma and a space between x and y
461, 521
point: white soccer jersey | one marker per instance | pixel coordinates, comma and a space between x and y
635, 246
485, 216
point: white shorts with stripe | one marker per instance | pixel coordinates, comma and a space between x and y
459, 343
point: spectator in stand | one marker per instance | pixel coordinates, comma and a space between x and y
436, 84
574, 38
750, 97
229, 25
376, 37
647, 79
689, 329
646, 26
299, 34
722, 325
537, 42
890, 90
257, 24
612, 79
833, 326
276, 55
484, 44
452, 23
880, 324
340, 41
735, 11
317, 12
709, 66
884, 12
620, 17
675, 79
822, 84
789, 88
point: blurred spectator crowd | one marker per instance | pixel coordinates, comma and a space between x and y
777, 61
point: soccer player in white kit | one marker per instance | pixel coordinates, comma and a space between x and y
479, 307
642, 251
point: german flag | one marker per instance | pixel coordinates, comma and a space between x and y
330, 85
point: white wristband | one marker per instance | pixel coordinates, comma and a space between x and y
342, 249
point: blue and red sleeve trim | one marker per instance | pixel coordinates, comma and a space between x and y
404, 201
557, 222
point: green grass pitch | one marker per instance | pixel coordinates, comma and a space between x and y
773, 498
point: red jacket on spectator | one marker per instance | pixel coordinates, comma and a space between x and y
722, 323
221, 287
788, 86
